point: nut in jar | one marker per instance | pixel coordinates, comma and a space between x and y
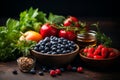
25, 64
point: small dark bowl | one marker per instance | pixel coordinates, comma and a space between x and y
55, 59
100, 63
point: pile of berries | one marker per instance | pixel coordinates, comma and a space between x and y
99, 52
57, 71
55, 45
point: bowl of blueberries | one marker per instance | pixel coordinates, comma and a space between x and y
55, 51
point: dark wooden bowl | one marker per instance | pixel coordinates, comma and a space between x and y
55, 59
100, 63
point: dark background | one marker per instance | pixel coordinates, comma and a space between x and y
78, 8
104, 11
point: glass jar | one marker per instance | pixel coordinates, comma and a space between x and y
87, 39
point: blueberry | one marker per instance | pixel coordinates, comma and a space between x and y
33, 71
54, 49
62, 46
44, 69
48, 44
46, 49
42, 51
64, 52
49, 52
41, 47
15, 72
41, 73
74, 69
37, 45
36, 48
47, 39
59, 51
59, 41
71, 48
54, 53
67, 46
62, 69
67, 51
58, 47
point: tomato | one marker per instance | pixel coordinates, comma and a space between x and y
48, 29
100, 46
97, 52
112, 54
98, 57
104, 52
71, 21
89, 55
91, 50
85, 50
70, 35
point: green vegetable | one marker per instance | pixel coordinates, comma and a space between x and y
29, 18
8, 39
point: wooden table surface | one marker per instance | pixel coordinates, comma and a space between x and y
109, 27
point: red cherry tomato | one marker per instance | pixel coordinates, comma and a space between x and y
100, 46
89, 55
98, 57
97, 52
104, 52
91, 50
112, 54
85, 50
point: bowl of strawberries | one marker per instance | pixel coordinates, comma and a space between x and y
99, 56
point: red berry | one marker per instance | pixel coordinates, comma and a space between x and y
52, 72
58, 71
112, 54
90, 55
85, 50
104, 52
100, 46
69, 67
97, 52
91, 50
98, 57
80, 69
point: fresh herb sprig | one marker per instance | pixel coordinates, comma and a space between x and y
101, 37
